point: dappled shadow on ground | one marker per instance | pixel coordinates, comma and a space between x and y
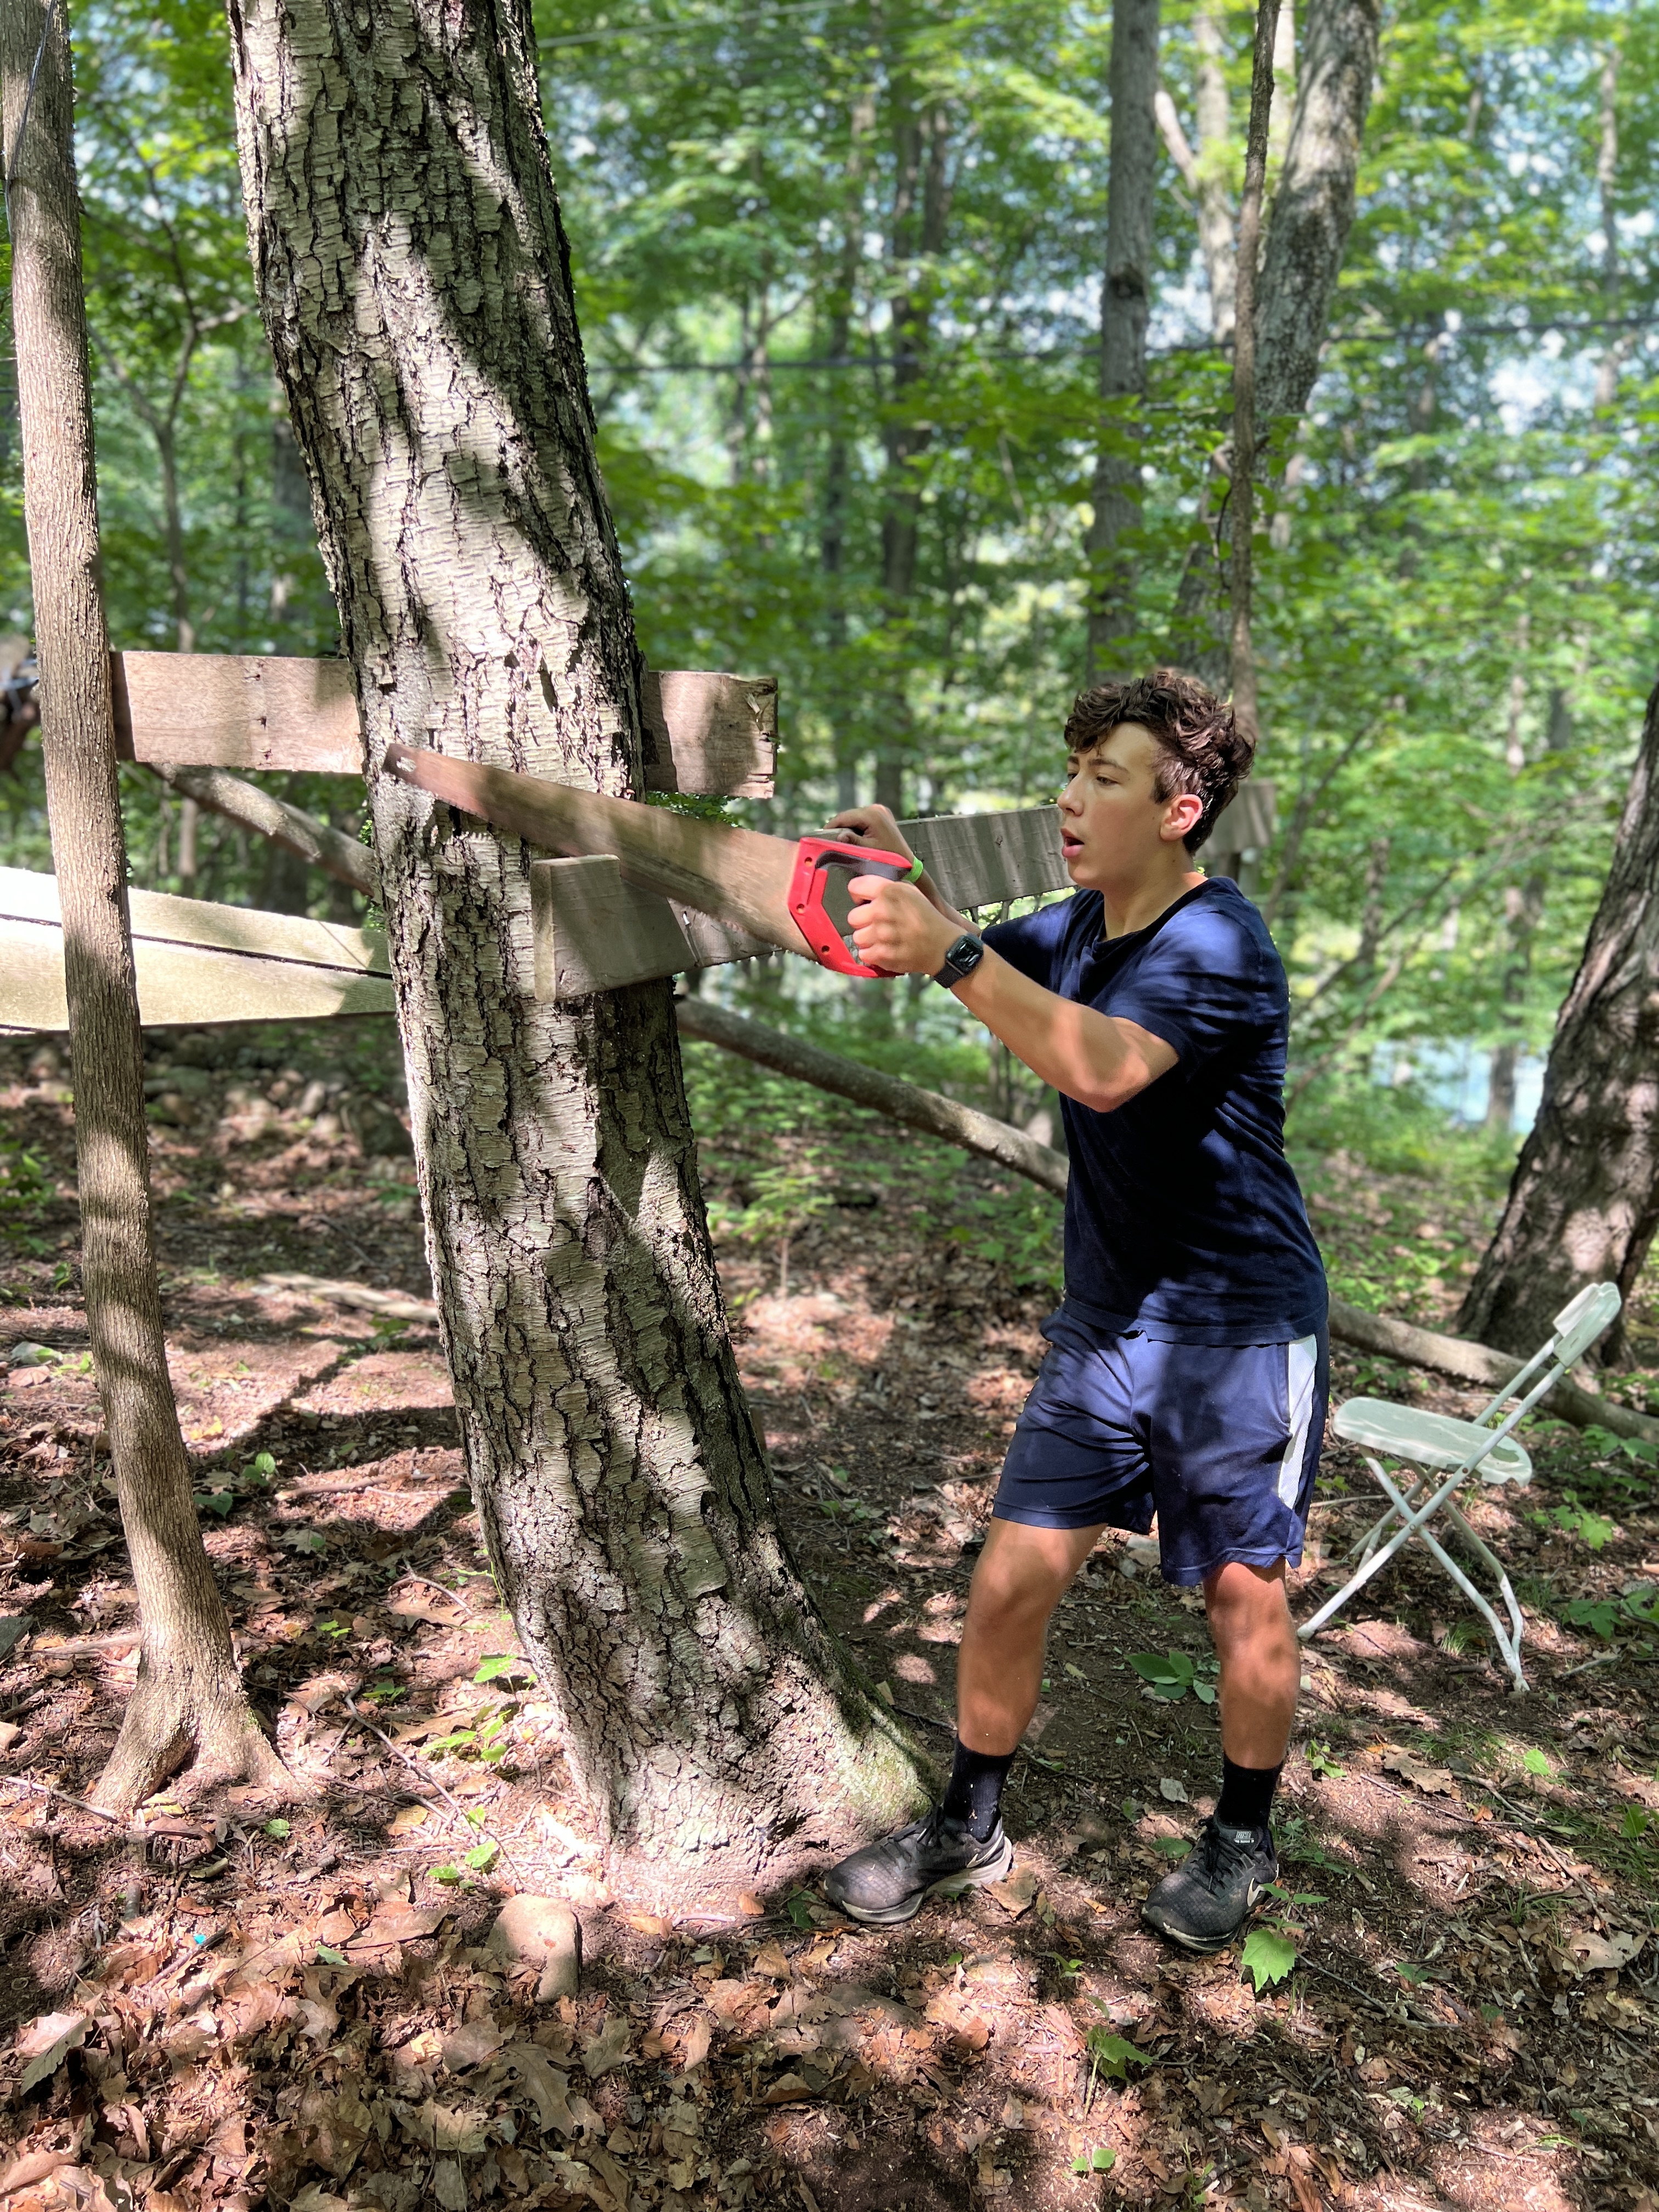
290, 2005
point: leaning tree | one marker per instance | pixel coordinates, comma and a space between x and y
189, 1700
415, 280
1584, 1203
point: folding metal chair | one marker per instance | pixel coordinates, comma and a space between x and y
1461, 1450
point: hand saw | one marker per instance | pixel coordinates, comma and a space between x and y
776, 889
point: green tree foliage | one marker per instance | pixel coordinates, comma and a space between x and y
838, 269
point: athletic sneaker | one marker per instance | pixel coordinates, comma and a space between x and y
1207, 1898
886, 1882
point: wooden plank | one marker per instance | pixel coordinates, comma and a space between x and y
196, 962
706, 734
231, 710
738, 874
595, 933
979, 860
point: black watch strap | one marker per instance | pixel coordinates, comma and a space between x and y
960, 962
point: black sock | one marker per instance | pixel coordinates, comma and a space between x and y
1247, 1795
974, 1789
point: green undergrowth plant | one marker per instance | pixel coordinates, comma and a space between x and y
1171, 1675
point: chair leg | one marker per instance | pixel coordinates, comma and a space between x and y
1411, 1518
1375, 1561
1511, 1649
1500, 1575
1368, 1542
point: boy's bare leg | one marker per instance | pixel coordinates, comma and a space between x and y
1022, 1575
1261, 1662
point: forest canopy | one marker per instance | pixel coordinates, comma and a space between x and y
838, 271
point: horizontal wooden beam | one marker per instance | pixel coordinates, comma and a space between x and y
594, 932
707, 735
196, 962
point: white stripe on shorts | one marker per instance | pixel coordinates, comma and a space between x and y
1301, 1364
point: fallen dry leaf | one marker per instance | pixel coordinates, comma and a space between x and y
545, 2084
407, 1818
471, 2043
693, 2044
751, 1904
609, 2047
1434, 1781
1173, 1792
769, 1960
1015, 1893
788, 2089
1608, 1953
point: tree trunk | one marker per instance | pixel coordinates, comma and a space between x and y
921, 203
1125, 303
1584, 1201
1312, 212
1313, 205
414, 277
1241, 653
188, 1698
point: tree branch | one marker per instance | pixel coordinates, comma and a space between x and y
288, 826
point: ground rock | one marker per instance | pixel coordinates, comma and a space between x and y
542, 1932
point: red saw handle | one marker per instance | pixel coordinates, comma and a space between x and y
814, 859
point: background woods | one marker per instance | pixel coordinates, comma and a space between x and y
906, 373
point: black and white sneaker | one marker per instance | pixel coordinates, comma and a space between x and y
886, 1882
1207, 1898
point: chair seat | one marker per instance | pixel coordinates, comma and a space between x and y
1433, 1440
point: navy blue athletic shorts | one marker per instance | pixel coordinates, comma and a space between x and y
1222, 1441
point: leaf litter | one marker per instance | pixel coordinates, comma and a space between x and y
300, 2006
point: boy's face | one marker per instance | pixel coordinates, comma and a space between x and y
1112, 826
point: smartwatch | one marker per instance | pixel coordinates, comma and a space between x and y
960, 962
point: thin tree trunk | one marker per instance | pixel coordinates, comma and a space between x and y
1606, 178
1312, 213
1125, 304
833, 541
1583, 1202
920, 205
444, 417
1241, 652
188, 1698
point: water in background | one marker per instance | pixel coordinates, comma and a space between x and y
1456, 1077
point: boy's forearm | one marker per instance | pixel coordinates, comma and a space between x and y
1083, 1055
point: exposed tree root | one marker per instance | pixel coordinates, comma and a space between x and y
178, 1716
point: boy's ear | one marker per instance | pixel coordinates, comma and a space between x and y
1182, 816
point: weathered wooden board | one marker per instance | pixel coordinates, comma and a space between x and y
595, 933
710, 866
706, 734
237, 710
710, 736
979, 860
196, 962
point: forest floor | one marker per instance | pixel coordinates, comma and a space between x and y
240, 2003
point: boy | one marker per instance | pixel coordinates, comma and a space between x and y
1187, 1369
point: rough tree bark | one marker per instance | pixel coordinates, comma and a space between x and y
414, 275
188, 1698
1308, 231
1125, 304
921, 203
1241, 655
1584, 1203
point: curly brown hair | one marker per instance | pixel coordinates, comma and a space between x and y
1203, 751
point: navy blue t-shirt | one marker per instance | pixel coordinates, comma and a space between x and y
1184, 1217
